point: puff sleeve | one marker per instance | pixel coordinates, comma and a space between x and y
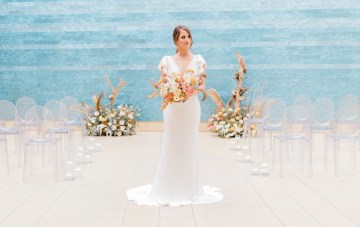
201, 64
163, 67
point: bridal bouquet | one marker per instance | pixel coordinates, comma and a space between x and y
177, 89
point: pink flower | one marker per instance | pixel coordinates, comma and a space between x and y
189, 90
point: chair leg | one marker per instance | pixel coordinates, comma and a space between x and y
26, 154
302, 153
7, 159
311, 171
281, 159
325, 152
55, 160
336, 158
353, 155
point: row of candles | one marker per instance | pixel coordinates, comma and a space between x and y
244, 154
83, 155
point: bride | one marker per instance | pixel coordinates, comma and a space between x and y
177, 179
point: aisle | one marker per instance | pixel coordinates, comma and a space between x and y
98, 199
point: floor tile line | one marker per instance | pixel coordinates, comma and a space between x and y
322, 197
252, 186
58, 197
27, 198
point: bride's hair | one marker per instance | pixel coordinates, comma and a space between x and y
176, 33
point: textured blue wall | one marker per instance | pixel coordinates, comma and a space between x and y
49, 49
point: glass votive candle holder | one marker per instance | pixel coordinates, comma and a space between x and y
69, 176
91, 149
78, 172
88, 158
80, 157
69, 170
239, 156
91, 141
265, 169
247, 159
255, 171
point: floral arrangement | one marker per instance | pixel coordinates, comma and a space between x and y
229, 123
106, 120
177, 90
231, 120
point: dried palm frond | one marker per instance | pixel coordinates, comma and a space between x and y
114, 91
241, 62
214, 95
97, 101
87, 108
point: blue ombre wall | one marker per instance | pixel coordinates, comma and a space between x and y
50, 49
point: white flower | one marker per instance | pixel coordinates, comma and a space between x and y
89, 124
122, 113
113, 127
122, 122
93, 121
111, 97
122, 128
227, 126
177, 95
129, 125
114, 122
241, 121
218, 127
109, 124
245, 118
230, 110
96, 113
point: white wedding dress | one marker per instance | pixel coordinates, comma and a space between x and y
177, 179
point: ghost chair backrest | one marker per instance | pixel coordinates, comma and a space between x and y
23, 105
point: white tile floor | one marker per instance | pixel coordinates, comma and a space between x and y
98, 199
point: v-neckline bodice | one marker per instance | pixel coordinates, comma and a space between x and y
188, 66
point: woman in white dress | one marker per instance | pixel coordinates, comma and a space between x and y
177, 178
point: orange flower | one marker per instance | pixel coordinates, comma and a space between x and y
169, 97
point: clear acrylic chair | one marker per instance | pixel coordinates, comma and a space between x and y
257, 118
70, 112
58, 127
295, 130
346, 127
303, 100
322, 115
274, 124
9, 124
348, 100
4, 153
43, 119
23, 105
